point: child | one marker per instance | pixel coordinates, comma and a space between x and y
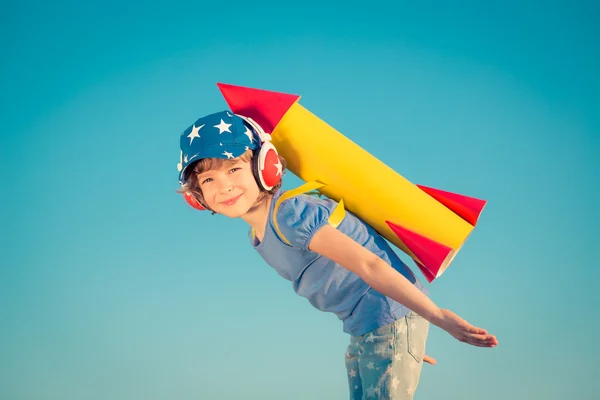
336, 261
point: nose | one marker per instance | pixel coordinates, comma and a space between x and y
225, 184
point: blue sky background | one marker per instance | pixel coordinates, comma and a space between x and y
112, 288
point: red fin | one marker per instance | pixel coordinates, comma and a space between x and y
468, 208
263, 106
430, 255
428, 275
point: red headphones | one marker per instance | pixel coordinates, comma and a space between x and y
266, 166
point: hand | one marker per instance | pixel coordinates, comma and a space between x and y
464, 331
429, 360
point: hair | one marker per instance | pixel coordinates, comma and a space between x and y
192, 186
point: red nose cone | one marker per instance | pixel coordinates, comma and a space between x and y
263, 106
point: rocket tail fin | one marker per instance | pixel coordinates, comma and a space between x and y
431, 257
468, 208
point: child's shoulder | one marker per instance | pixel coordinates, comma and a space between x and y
297, 217
301, 204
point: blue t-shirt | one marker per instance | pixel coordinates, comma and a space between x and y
328, 286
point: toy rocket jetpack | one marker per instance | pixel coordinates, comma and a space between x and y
430, 225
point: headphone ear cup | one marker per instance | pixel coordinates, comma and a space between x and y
192, 201
268, 166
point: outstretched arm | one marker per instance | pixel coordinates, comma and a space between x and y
378, 274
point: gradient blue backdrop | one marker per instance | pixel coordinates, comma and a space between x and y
112, 288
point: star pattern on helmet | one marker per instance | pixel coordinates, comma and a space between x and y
223, 127
180, 163
222, 135
195, 132
248, 133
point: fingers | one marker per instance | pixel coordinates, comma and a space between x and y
466, 332
453, 319
481, 340
480, 344
467, 326
476, 330
429, 360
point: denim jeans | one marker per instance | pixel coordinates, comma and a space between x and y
386, 363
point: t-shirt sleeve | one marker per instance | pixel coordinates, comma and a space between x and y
300, 217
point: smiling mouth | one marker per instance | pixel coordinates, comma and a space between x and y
231, 201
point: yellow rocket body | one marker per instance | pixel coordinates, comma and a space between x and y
315, 151
369, 187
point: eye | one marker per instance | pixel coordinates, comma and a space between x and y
206, 181
234, 169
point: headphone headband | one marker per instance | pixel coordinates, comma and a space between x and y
262, 135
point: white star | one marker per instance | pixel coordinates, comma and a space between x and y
185, 159
371, 391
249, 134
371, 338
398, 356
223, 127
279, 166
370, 365
228, 154
194, 133
395, 383
352, 373
246, 148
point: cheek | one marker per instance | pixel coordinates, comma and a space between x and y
247, 180
209, 194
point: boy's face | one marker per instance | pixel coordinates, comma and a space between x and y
230, 190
